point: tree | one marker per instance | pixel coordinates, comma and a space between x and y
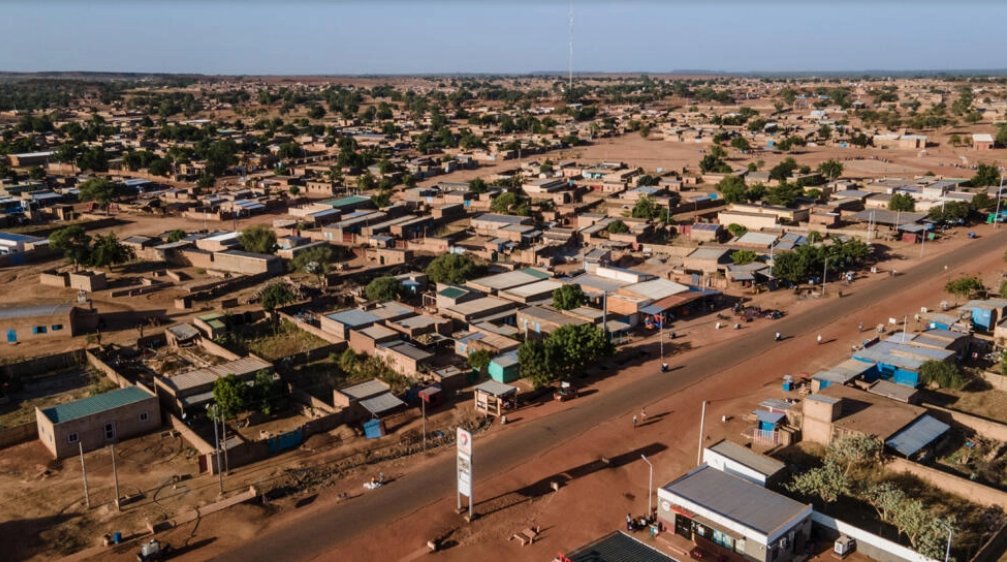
159, 167
365, 181
736, 230
828, 482
384, 289
205, 181
568, 297
854, 452
986, 175
535, 362
230, 394
503, 203
451, 268
294, 190
258, 240
276, 295
36, 173
93, 159
782, 171
220, 157
480, 359
902, 202
617, 227
576, 347
965, 286
740, 143
733, 189
982, 202
176, 235
267, 392
942, 374
825, 132
108, 251
478, 186
742, 257
316, 261
646, 208
831, 168
718, 151
101, 191
954, 140
789, 267
382, 199
950, 212
645, 131
885, 498
711, 164
74, 242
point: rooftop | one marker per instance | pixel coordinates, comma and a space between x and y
618, 547
11, 312
743, 455
871, 414
95, 404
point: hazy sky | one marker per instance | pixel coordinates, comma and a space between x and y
497, 36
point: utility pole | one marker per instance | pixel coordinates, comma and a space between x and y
702, 420
223, 442
83, 469
423, 406
115, 477
216, 439
996, 217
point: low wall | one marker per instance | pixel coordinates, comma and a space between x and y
104, 368
18, 434
313, 330
216, 349
990, 552
141, 290
998, 382
972, 491
871, 545
312, 355
39, 367
680, 251
189, 435
310, 401
982, 426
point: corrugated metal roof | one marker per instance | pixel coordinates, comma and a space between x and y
95, 404
495, 388
618, 547
382, 403
353, 317
737, 499
367, 389
743, 455
183, 331
11, 312
199, 377
917, 435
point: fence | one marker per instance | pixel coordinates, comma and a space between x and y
986, 428
39, 367
104, 368
882, 550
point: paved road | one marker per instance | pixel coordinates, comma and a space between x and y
322, 531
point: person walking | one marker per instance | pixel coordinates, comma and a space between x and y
643, 413
634, 422
819, 338
860, 328
629, 522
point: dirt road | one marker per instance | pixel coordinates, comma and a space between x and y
598, 425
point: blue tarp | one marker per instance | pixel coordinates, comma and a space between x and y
917, 435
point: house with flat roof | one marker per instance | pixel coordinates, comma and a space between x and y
722, 512
730, 457
25, 323
340, 323
97, 421
403, 357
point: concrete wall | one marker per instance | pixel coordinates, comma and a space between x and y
972, 491
998, 382
104, 368
315, 331
871, 545
984, 427
18, 434
41, 366
54, 279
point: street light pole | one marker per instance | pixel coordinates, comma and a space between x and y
216, 440
996, 218
702, 420
650, 485
947, 553
825, 272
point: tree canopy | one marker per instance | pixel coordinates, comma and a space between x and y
451, 268
74, 242
231, 395
384, 289
258, 240
831, 168
568, 297
276, 295
108, 251
902, 202
617, 227
986, 175
315, 261
101, 191
567, 350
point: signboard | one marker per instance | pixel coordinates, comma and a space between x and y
464, 442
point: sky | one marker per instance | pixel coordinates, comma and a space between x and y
298, 37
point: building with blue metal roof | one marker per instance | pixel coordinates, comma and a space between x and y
97, 421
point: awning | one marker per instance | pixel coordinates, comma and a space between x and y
765, 416
652, 309
382, 403
495, 388
742, 277
917, 435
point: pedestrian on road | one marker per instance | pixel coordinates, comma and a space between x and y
629, 522
860, 328
643, 413
634, 422
819, 338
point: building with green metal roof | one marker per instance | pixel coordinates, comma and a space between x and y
97, 421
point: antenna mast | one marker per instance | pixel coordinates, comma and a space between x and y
570, 87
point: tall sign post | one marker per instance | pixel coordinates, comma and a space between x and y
464, 441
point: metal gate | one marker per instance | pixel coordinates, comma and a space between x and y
284, 441
683, 526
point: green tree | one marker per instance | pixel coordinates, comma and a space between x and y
902, 202
93, 159
568, 297
230, 394
536, 363
101, 191
617, 227
736, 230
782, 171
825, 132
276, 295
316, 261
382, 199
965, 286
986, 175
827, 482
504, 202
854, 452
108, 251
480, 359
365, 181
789, 267
451, 268
478, 186
258, 240
176, 235
732, 188
646, 208
740, 143
74, 242
384, 289
831, 168
293, 190
267, 392
36, 173
159, 167
982, 202
576, 347
718, 151
742, 257
942, 374
711, 164
220, 157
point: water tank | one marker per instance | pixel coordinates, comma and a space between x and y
844, 545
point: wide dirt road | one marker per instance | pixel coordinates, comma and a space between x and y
317, 532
